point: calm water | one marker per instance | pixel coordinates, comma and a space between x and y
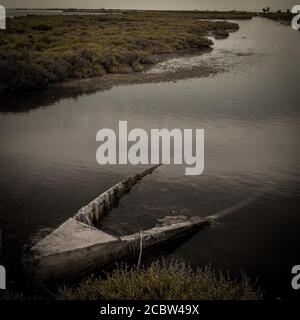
251, 119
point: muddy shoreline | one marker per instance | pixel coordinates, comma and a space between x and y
106, 82
34, 98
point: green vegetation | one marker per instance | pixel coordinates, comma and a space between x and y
163, 281
38, 51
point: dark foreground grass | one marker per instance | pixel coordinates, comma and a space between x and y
163, 281
36, 51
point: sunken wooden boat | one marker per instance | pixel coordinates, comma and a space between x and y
78, 246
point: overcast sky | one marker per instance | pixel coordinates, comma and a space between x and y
153, 4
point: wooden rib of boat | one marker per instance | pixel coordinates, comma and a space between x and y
78, 246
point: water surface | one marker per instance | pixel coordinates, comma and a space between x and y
250, 114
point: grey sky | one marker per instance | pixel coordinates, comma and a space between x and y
153, 4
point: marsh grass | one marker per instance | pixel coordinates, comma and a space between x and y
279, 16
163, 281
38, 51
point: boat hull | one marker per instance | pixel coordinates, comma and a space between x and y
79, 246
74, 249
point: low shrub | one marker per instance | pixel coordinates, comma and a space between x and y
20, 73
58, 48
42, 27
163, 281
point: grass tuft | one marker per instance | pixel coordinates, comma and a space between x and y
163, 281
